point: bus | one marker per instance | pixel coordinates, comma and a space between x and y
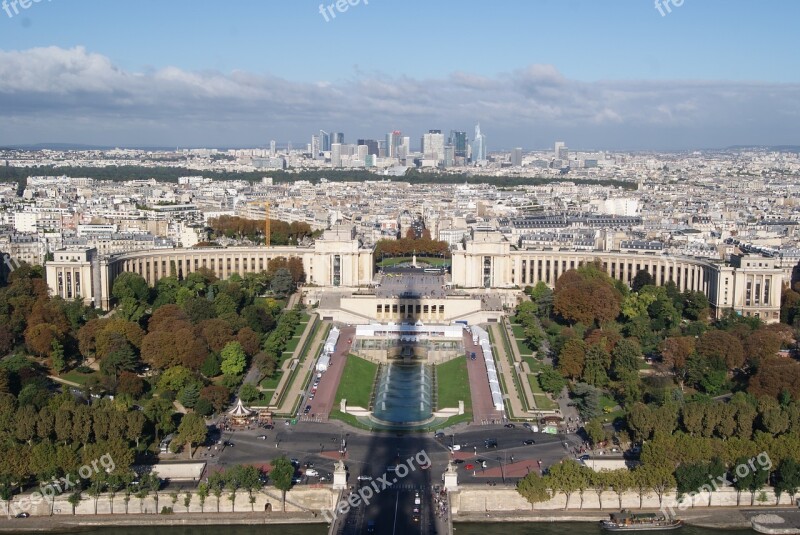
433, 270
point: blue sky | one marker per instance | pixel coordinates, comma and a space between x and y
600, 73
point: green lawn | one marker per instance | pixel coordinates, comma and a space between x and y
76, 377
271, 383
518, 331
535, 365
545, 403
523, 348
356, 383
291, 345
534, 382
452, 381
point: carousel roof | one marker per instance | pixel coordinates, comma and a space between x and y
240, 410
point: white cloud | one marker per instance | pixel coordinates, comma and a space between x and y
73, 95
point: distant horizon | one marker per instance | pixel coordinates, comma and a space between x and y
623, 75
784, 147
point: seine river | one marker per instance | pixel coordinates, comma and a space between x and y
461, 529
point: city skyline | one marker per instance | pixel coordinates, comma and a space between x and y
690, 83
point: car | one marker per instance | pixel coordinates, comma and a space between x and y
527, 426
295, 462
455, 447
416, 518
529, 442
510, 426
438, 435
23, 515
269, 426
584, 457
416, 510
363, 477
262, 437
297, 480
473, 356
310, 472
371, 526
307, 409
459, 461
229, 444
309, 465
311, 397
490, 442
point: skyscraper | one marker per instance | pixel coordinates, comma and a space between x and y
336, 154
337, 137
272, 150
559, 147
516, 157
459, 141
393, 142
433, 145
479, 146
372, 146
315, 147
324, 141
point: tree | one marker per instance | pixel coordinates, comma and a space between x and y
249, 340
218, 396
572, 358
587, 296
75, 500
625, 358
787, 477
249, 393
282, 283
657, 477
620, 481
534, 488
281, 474
642, 279
39, 338
234, 359
721, 346
567, 477
57, 362
122, 359
595, 365
595, 430
130, 286
587, 398
191, 431
675, 353
551, 381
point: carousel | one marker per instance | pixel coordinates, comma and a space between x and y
240, 415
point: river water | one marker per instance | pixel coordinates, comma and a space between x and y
560, 528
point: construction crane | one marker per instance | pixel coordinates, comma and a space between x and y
266, 224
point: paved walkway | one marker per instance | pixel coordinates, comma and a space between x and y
298, 386
513, 403
287, 364
523, 378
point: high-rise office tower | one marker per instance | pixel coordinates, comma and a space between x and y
315, 147
394, 141
324, 141
336, 154
371, 144
459, 141
558, 147
516, 157
337, 137
362, 152
479, 146
449, 155
272, 150
433, 145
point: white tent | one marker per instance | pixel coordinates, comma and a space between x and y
240, 411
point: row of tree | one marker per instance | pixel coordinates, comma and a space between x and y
281, 232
